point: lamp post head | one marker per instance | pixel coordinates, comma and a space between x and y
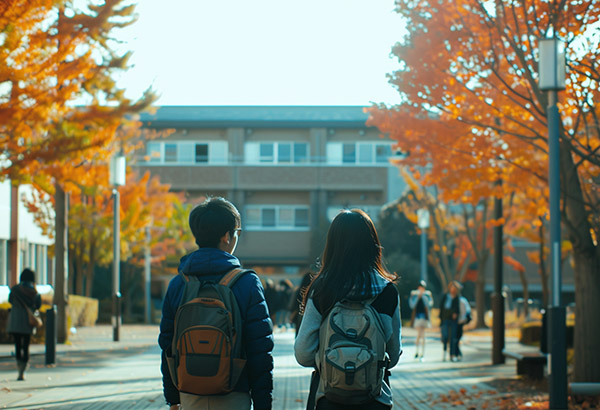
423, 218
118, 169
551, 64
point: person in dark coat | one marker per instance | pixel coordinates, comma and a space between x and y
449, 315
22, 297
215, 225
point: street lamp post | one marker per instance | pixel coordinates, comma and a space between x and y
552, 79
117, 178
423, 223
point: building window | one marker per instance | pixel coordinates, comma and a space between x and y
154, 154
349, 153
267, 153
300, 152
170, 152
276, 152
187, 152
277, 217
201, 153
284, 153
367, 153
301, 218
383, 152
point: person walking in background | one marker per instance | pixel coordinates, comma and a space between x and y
215, 225
24, 300
352, 272
464, 317
449, 312
421, 302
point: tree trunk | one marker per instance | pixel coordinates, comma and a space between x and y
525, 285
480, 294
587, 326
79, 270
586, 255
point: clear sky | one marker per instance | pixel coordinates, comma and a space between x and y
263, 52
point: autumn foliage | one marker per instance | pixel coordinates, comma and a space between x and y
63, 116
473, 114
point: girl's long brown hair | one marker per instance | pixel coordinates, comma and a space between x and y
352, 252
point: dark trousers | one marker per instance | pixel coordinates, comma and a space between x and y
324, 404
450, 335
22, 346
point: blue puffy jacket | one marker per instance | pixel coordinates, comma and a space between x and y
211, 264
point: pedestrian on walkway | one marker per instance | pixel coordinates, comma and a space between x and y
215, 225
24, 300
464, 317
421, 302
352, 271
449, 312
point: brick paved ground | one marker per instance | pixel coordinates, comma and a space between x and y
96, 373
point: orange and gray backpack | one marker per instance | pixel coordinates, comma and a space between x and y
206, 354
352, 356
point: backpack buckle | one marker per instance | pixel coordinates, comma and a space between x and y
351, 333
349, 370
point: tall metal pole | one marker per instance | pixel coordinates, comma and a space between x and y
497, 297
61, 247
423, 254
116, 319
147, 276
557, 368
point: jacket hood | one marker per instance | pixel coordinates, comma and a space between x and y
207, 261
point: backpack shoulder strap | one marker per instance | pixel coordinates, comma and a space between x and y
232, 276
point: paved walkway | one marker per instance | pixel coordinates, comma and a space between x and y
96, 373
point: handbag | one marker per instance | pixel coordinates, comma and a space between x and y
34, 318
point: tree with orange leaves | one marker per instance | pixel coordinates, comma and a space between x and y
474, 113
56, 54
145, 202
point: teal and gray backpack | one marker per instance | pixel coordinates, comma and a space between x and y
352, 356
206, 354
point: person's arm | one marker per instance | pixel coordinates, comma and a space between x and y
429, 299
307, 341
165, 338
258, 340
412, 301
462, 312
37, 302
170, 392
394, 345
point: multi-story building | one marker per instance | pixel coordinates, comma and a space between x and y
22, 243
289, 170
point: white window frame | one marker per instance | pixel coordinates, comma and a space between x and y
278, 226
335, 153
252, 153
218, 153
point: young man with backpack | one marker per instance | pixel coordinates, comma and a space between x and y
215, 333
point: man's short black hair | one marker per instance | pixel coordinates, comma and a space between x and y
212, 219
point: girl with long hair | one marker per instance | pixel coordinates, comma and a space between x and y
22, 297
352, 270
